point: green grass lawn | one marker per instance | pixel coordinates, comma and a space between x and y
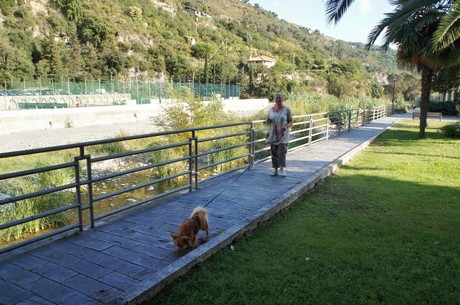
385, 230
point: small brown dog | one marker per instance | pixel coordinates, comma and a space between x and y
188, 229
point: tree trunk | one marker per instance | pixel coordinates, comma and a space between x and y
427, 76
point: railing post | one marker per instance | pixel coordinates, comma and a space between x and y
78, 192
327, 126
190, 163
89, 172
349, 120
310, 130
252, 146
358, 121
195, 158
340, 121
90, 190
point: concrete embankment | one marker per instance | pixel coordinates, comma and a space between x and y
44, 119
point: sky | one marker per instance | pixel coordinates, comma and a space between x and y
355, 25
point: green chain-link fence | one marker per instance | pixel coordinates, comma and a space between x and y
141, 91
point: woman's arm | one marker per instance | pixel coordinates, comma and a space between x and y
289, 118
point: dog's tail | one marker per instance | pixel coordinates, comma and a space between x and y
202, 214
200, 211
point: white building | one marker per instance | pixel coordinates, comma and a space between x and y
262, 60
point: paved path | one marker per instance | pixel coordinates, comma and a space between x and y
130, 257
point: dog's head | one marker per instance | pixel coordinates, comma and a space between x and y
182, 242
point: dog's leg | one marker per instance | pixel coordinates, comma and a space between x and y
194, 241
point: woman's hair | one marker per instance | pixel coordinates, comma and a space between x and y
280, 95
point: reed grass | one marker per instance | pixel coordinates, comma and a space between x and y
32, 206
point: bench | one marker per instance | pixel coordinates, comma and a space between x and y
437, 115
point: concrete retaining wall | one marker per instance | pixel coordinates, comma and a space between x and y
86, 100
41, 119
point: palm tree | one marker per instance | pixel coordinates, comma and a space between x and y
446, 34
412, 27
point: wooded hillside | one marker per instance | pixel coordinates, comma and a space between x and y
184, 41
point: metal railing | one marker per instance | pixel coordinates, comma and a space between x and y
62, 189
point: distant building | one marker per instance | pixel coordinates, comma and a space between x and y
192, 11
262, 60
449, 95
191, 40
196, 12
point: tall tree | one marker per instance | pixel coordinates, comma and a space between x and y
411, 27
52, 54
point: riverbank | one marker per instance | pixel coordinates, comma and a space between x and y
36, 128
60, 136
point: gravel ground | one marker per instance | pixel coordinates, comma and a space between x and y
52, 137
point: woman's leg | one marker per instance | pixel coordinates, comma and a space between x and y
274, 149
282, 153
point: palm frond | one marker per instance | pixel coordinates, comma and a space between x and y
335, 9
392, 25
448, 30
411, 25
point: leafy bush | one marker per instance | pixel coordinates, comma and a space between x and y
402, 106
187, 111
304, 101
451, 130
7, 7
446, 108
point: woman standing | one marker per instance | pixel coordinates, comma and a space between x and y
280, 120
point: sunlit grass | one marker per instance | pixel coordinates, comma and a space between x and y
385, 230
